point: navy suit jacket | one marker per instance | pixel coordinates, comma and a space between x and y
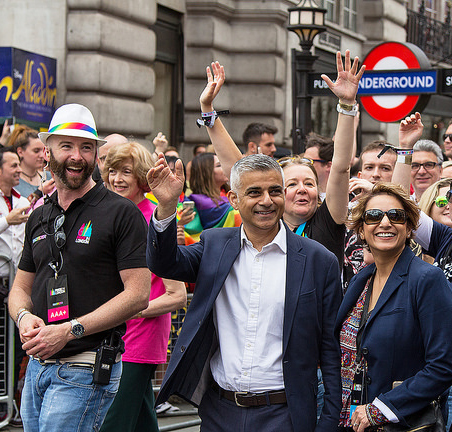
312, 299
408, 335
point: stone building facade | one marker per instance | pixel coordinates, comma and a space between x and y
139, 65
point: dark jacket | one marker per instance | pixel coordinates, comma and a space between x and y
311, 304
408, 336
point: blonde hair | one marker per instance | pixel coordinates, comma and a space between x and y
431, 193
141, 160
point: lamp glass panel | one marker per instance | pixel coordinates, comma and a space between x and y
294, 18
306, 17
319, 18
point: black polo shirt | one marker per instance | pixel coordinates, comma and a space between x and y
105, 233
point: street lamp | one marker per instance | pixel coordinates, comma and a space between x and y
307, 20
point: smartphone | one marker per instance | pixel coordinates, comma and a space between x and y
188, 204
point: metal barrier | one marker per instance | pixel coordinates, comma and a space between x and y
177, 319
7, 353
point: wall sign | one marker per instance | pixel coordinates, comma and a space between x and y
392, 56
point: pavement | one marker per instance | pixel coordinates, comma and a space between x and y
185, 419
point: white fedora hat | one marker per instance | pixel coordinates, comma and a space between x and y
72, 120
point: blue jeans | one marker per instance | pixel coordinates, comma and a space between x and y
63, 398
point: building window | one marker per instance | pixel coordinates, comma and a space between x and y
350, 14
168, 67
330, 6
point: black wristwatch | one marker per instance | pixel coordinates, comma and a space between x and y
77, 329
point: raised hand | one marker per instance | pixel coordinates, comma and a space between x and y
166, 186
160, 143
346, 85
410, 130
215, 80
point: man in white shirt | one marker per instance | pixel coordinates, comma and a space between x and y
262, 316
13, 212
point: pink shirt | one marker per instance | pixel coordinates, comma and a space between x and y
146, 339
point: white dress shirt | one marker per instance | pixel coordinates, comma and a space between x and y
11, 236
248, 317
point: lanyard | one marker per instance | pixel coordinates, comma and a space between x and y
300, 229
363, 321
8, 203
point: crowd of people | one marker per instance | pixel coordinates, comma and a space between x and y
321, 301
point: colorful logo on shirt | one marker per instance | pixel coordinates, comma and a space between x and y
84, 233
41, 237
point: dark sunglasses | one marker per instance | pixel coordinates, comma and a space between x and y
59, 236
447, 136
375, 216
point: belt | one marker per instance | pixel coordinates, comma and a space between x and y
246, 399
86, 358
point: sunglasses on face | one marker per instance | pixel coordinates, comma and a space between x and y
375, 216
445, 136
428, 166
441, 201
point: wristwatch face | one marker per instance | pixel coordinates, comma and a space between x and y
77, 329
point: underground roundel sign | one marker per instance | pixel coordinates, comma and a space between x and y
394, 56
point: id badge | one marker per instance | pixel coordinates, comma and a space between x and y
57, 298
357, 391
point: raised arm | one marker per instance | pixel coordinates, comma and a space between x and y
224, 145
166, 186
345, 88
410, 131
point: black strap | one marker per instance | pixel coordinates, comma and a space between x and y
364, 318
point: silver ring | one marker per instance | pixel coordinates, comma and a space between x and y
355, 424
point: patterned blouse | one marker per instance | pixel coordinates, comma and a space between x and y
348, 334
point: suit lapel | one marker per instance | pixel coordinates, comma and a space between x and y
394, 281
295, 271
228, 255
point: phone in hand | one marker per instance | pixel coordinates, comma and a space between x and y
188, 204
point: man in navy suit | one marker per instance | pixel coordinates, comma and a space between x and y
262, 317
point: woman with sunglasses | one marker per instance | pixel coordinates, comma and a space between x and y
304, 213
392, 329
435, 204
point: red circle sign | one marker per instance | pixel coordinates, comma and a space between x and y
393, 56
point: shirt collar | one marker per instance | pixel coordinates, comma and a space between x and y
280, 239
14, 193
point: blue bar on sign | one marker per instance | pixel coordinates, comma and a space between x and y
397, 82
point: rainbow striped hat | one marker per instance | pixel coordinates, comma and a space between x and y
72, 120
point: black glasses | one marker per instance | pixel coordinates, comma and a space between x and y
428, 166
375, 216
59, 234
320, 161
447, 136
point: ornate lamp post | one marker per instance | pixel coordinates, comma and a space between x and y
307, 20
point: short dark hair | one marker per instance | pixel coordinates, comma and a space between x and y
324, 144
375, 145
196, 147
4, 150
254, 131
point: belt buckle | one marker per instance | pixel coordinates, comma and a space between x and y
240, 394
